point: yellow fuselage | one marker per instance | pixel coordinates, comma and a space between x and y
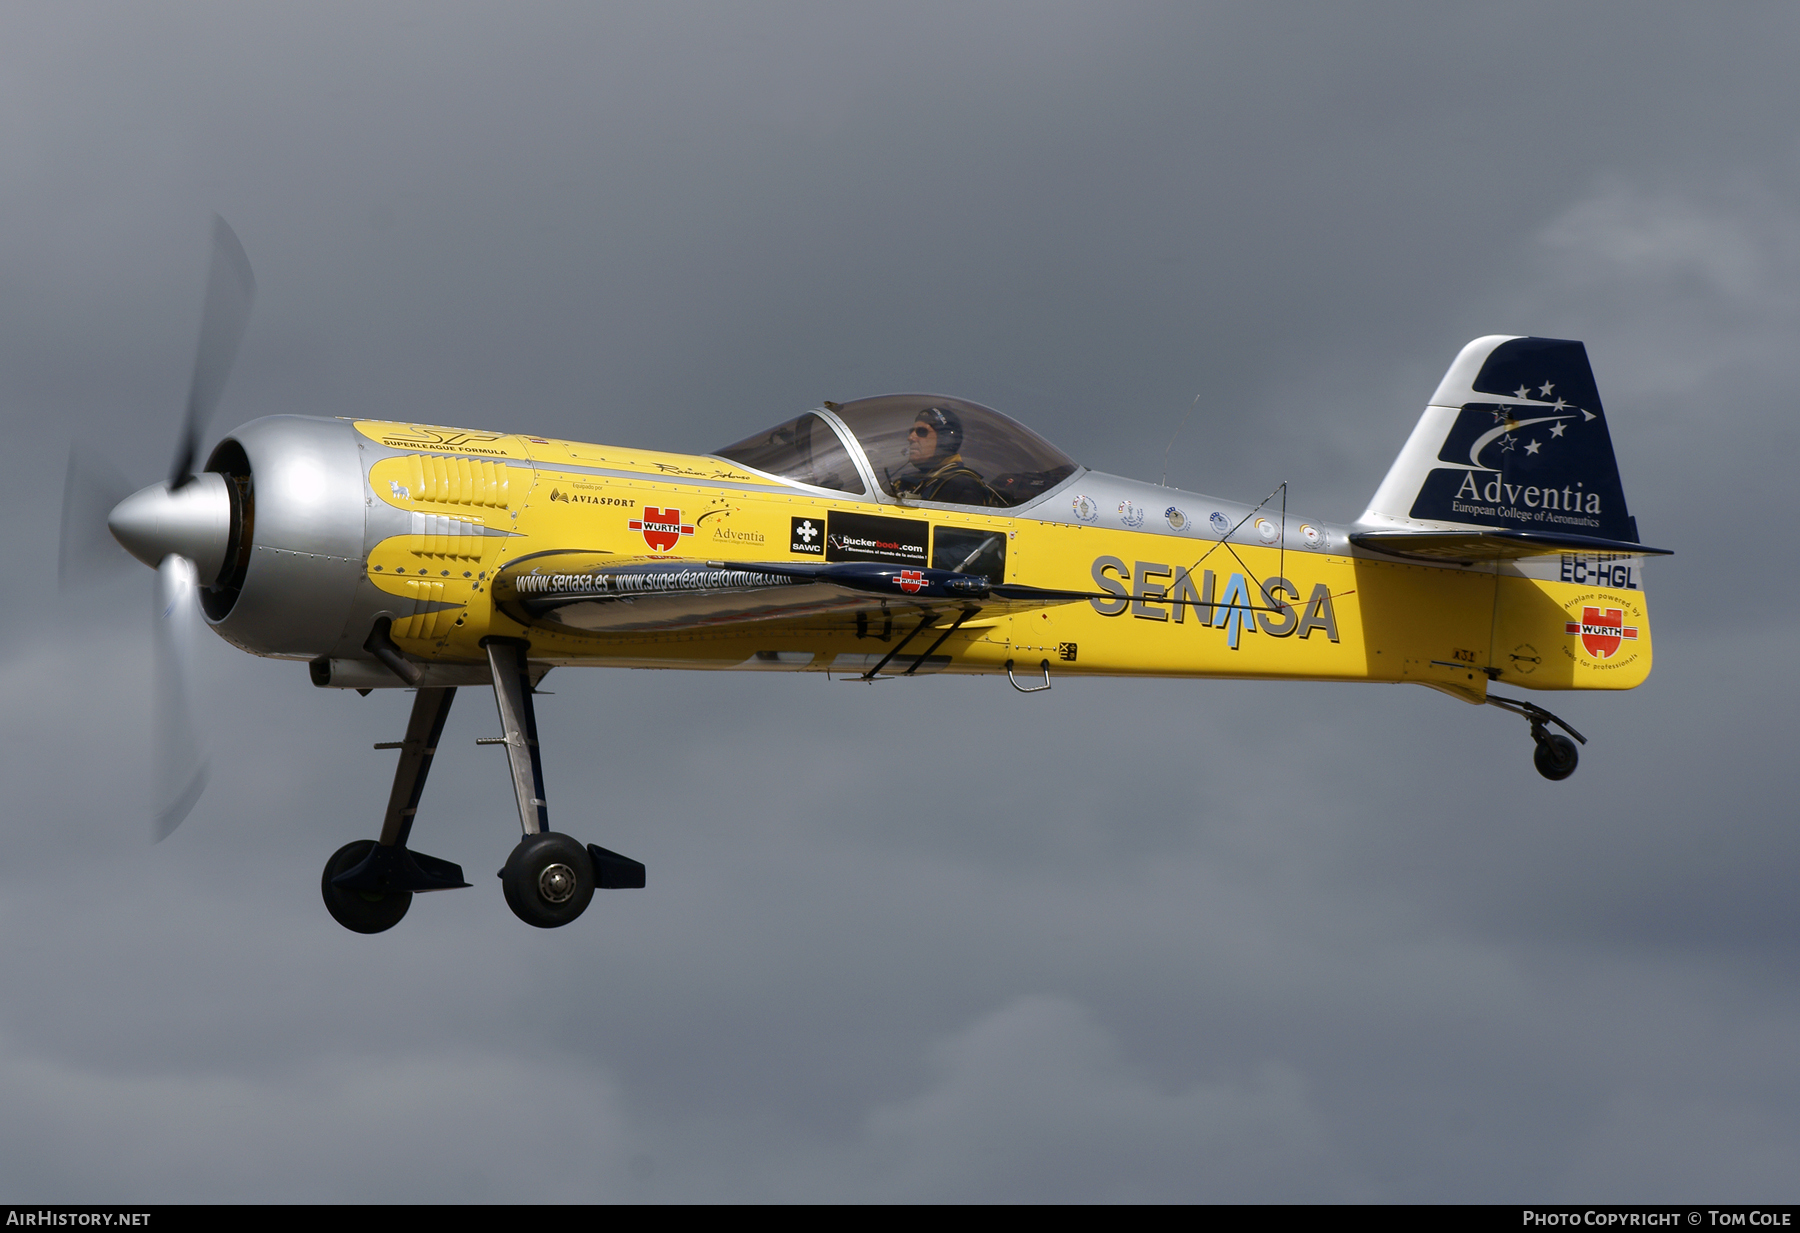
1161, 606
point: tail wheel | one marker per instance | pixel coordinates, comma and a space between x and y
1555, 756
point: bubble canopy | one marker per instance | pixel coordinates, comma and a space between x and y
1010, 464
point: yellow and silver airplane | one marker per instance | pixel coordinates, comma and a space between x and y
887, 538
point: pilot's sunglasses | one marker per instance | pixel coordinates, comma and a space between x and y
921, 430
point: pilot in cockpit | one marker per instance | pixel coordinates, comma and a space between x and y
934, 452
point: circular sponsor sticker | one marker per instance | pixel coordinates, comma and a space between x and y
1314, 537
1084, 508
1220, 523
1177, 520
1267, 531
1130, 514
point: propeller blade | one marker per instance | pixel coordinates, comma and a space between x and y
180, 767
91, 488
230, 290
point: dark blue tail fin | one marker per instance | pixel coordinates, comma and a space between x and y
1514, 445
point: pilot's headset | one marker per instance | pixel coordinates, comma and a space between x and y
948, 426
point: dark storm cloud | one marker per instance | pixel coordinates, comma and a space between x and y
1176, 940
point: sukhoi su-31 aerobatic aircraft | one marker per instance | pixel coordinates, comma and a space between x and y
882, 539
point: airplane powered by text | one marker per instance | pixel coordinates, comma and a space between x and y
890, 537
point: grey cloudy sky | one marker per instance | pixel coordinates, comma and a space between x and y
1174, 940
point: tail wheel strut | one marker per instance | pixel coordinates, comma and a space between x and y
1555, 755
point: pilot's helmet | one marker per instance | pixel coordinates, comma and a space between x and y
948, 426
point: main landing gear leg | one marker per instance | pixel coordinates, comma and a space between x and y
1555, 755
549, 878
368, 885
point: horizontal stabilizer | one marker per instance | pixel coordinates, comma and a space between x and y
1466, 547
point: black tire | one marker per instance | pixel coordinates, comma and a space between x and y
548, 880
1556, 757
360, 911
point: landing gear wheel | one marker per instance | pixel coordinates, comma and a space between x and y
1555, 756
548, 880
360, 911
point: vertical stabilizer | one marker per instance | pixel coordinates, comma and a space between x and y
1514, 440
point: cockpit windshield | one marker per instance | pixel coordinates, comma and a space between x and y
928, 448
806, 450
922, 447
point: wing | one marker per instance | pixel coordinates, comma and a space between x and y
600, 593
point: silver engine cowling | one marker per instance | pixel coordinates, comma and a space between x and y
290, 584
279, 527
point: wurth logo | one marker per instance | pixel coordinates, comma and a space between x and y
662, 528
910, 580
1602, 631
